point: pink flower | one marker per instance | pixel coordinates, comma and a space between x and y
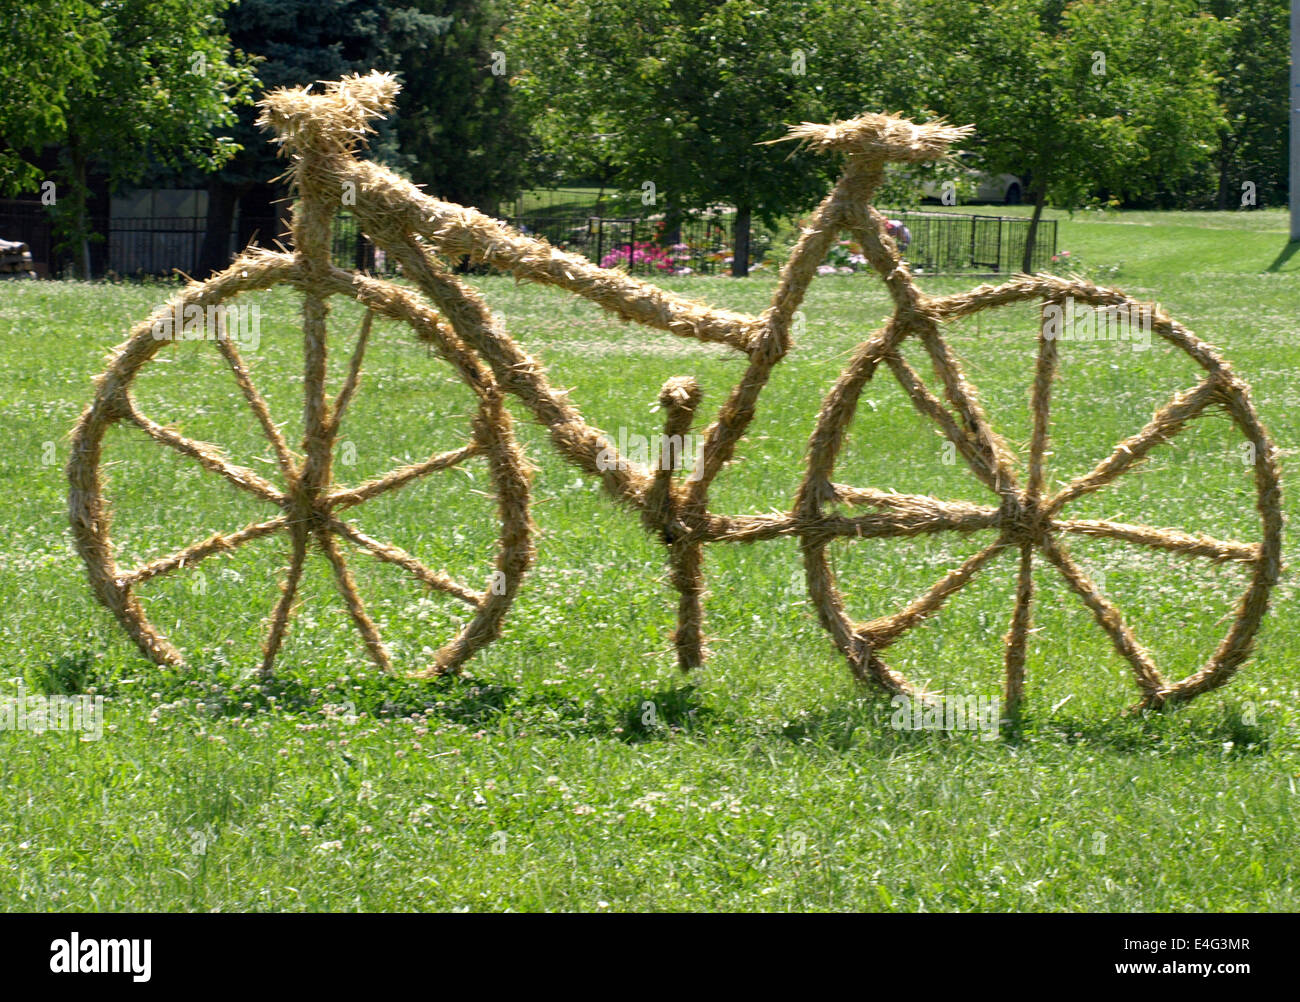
641, 253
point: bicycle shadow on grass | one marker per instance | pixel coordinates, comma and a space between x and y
224, 692
216, 689
667, 711
867, 723
870, 723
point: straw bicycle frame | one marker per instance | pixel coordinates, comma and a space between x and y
321, 131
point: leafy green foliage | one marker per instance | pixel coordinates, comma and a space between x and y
136, 82
48, 50
645, 93
459, 130
1252, 81
1091, 99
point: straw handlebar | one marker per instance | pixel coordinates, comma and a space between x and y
880, 137
332, 120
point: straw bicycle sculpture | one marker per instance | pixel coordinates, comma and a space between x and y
321, 132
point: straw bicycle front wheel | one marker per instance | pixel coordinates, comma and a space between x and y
1027, 519
304, 501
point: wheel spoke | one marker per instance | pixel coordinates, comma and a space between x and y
394, 479
1041, 406
284, 607
1186, 544
880, 633
905, 503
1164, 425
1018, 635
405, 306
905, 515
962, 396
284, 457
1107, 616
216, 543
396, 555
354, 374
981, 463
348, 589
208, 456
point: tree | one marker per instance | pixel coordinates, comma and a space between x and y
453, 130
1252, 72
681, 92
46, 50
1116, 96
296, 42
150, 81
575, 126
459, 130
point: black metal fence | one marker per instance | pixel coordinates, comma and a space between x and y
149, 245
643, 247
141, 245
941, 242
157, 246
957, 242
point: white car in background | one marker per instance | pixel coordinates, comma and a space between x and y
1006, 189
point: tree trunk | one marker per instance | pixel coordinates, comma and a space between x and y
740, 242
606, 174
214, 254
1040, 199
672, 231
1224, 161
79, 235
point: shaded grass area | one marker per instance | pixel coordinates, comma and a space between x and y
576, 768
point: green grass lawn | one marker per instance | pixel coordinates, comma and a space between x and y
574, 201
769, 780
